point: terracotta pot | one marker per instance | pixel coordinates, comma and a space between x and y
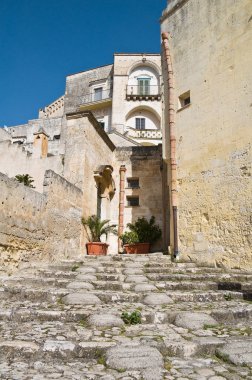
137, 248
97, 248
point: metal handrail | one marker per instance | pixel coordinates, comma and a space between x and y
138, 90
92, 97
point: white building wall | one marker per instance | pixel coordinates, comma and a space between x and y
126, 70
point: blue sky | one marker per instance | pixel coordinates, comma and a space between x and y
42, 41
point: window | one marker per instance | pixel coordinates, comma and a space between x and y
184, 100
132, 201
98, 93
133, 183
102, 124
140, 123
143, 86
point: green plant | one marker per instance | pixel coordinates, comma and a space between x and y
146, 231
133, 318
209, 326
228, 297
75, 267
83, 323
101, 360
129, 237
95, 228
26, 179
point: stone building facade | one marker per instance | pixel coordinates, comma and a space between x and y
109, 118
209, 46
195, 98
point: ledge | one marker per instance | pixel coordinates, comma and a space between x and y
183, 108
96, 125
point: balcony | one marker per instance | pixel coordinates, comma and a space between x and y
150, 134
143, 92
96, 99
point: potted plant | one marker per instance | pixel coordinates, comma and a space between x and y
142, 234
95, 228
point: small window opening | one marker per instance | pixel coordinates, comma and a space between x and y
132, 201
140, 123
184, 99
56, 137
133, 183
102, 124
98, 93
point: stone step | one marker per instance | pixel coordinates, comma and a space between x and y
62, 313
116, 282
53, 348
220, 277
55, 294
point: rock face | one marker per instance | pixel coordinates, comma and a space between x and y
169, 327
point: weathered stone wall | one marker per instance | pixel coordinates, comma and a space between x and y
79, 85
63, 216
211, 59
144, 163
4, 135
87, 148
21, 222
15, 160
36, 226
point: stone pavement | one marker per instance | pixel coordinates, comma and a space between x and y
63, 321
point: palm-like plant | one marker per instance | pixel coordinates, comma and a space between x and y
95, 228
26, 179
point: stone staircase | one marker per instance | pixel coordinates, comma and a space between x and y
64, 321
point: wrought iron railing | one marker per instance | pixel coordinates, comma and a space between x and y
95, 96
137, 90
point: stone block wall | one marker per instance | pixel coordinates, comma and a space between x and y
15, 160
144, 163
209, 48
36, 226
78, 86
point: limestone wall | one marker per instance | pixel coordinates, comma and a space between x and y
144, 163
15, 160
63, 216
79, 85
211, 45
36, 226
87, 148
4, 135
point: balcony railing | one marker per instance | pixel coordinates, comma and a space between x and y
94, 97
145, 134
137, 92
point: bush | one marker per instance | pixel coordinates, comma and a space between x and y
131, 318
146, 231
129, 237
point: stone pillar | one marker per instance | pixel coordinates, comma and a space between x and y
122, 172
